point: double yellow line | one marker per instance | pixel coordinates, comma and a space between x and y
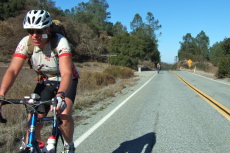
223, 110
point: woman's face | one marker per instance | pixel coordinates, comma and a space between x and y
39, 36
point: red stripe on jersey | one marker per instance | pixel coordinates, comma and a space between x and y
65, 54
20, 55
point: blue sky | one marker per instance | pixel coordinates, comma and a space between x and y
177, 17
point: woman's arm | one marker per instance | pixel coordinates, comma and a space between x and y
65, 66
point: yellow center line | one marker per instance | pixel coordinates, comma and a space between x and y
222, 109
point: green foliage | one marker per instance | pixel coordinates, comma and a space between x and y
150, 50
118, 28
140, 29
136, 23
152, 25
224, 67
216, 52
92, 13
11, 8
220, 56
130, 50
202, 66
126, 49
202, 43
195, 49
226, 46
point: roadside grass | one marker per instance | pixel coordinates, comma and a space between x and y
97, 83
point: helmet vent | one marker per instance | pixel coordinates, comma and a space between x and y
45, 23
33, 19
38, 20
29, 21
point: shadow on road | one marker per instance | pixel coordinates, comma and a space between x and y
143, 144
146, 69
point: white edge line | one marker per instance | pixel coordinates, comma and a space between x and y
92, 129
210, 78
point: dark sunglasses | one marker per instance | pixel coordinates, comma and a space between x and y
32, 31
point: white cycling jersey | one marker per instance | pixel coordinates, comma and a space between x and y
44, 60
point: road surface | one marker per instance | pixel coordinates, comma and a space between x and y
161, 114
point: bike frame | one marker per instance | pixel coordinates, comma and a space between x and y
33, 145
32, 142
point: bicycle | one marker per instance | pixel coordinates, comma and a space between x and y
158, 70
33, 146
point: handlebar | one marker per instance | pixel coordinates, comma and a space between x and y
26, 101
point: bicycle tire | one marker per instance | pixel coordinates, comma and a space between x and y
27, 150
59, 144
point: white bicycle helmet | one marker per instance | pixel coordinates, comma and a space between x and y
37, 19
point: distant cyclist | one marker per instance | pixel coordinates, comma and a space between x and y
158, 67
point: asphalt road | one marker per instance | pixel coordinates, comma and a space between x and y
160, 115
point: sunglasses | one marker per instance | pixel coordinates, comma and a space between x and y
32, 31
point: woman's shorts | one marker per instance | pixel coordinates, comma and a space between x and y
48, 91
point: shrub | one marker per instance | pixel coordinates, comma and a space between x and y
104, 79
224, 68
119, 72
94, 80
202, 66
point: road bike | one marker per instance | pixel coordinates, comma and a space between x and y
33, 146
158, 70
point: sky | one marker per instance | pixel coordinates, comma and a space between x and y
177, 18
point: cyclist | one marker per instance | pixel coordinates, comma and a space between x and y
158, 67
57, 69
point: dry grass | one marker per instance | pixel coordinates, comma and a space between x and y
97, 83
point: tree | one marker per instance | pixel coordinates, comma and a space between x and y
224, 67
118, 28
216, 52
49, 5
11, 8
136, 23
151, 50
82, 14
138, 26
46, 4
94, 14
130, 50
202, 42
152, 25
196, 49
187, 49
226, 46
98, 8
